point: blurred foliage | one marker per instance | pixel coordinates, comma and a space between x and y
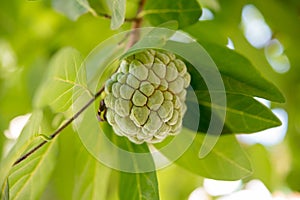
184, 12
31, 32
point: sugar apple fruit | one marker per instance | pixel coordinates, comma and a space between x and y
145, 98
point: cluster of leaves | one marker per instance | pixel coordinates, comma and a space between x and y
92, 180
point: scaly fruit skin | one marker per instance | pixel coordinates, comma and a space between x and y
145, 98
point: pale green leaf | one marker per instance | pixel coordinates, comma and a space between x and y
57, 89
6, 191
118, 10
29, 178
116, 152
261, 163
27, 136
112, 154
62, 181
144, 185
71, 8
91, 177
168, 182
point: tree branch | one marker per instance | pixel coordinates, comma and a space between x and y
60, 129
134, 37
135, 34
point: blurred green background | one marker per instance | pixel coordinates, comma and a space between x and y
32, 31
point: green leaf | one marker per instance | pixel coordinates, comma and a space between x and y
185, 12
71, 8
91, 177
29, 178
6, 191
118, 9
118, 153
169, 178
262, 166
226, 161
96, 142
239, 75
293, 179
246, 115
57, 89
243, 113
242, 81
99, 6
63, 178
202, 30
29, 133
86, 5
144, 186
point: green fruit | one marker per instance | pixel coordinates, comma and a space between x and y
145, 98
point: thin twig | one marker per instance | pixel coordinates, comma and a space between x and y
60, 129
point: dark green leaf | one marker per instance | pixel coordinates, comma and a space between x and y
243, 113
226, 161
100, 6
185, 12
239, 75
246, 115
194, 110
293, 179
143, 186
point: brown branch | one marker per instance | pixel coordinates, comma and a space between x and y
60, 129
135, 34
